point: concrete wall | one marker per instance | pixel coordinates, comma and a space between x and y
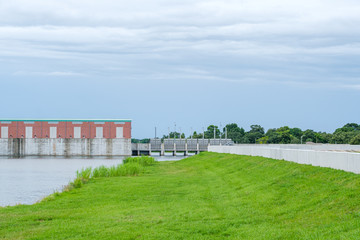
321, 147
338, 160
140, 146
20, 147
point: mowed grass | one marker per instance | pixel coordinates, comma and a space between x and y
208, 196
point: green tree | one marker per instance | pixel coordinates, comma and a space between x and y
234, 132
345, 134
296, 132
284, 133
355, 140
349, 127
323, 137
196, 135
295, 140
244, 140
343, 137
309, 136
145, 140
174, 135
210, 132
256, 129
263, 140
273, 136
353, 126
256, 132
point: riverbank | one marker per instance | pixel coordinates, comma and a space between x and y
208, 196
28, 180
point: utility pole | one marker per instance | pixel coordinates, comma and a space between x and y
191, 133
203, 133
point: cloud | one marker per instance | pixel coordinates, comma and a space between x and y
161, 12
295, 43
352, 87
54, 74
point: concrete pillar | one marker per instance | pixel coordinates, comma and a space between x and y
186, 153
174, 152
162, 151
149, 149
197, 148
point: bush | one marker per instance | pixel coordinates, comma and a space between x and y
84, 173
143, 160
128, 169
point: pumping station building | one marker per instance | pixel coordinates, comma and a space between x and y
66, 137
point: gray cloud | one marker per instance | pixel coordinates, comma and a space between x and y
289, 42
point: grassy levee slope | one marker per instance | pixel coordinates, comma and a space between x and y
208, 196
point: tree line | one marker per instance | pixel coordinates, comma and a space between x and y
348, 134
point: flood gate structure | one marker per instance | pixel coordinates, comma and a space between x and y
70, 137
176, 146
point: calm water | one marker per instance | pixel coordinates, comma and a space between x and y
28, 180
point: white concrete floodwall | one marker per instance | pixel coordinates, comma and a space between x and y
65, 147
337, 160
324, 147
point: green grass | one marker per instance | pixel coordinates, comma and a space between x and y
208, 196
131, 166
143, 160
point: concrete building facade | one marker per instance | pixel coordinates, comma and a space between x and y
88, 128
100, 137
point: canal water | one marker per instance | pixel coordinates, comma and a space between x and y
28, 180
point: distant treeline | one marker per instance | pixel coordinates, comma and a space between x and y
348, 134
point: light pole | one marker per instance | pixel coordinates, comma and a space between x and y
220, 133
301, 138
174, 130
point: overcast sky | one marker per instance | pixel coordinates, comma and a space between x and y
157, 62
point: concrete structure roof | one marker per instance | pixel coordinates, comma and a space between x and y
65, 120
